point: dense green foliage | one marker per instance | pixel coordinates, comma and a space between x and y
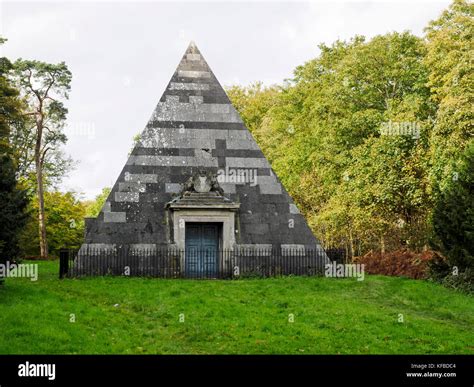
132, 315
93, 208
453, 221
450, 46
323, 136
365, 136
64, 224
13, 198
13, 204
65, 214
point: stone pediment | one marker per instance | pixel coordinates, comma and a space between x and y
202, 200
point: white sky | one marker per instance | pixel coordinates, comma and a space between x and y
122, 55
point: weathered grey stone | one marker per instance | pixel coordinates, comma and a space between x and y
191, 138
172, 187
172, 161
194, 74
172, 98
188, 86
269, 185
246, 162
115, 217
242, 144
129, 186
221, 108
172, 111
294, 209
228, 188
106, 207
127, 196
141, 177
196, 99
257, 228
239, 135
194, 57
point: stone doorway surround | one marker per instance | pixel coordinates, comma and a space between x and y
227, 218
208, 207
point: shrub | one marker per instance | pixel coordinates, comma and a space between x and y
451, 276
453, 224
400, 263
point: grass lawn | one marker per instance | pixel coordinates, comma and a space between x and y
133, 315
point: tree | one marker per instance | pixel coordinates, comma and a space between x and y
65, 223
13, 198
253, 102
450, 44
43, 87
93, 208
453, 216
322, 133
13, 203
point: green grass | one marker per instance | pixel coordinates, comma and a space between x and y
133, 315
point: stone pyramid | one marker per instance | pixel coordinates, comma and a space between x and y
195, 129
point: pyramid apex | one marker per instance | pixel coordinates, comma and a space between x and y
192, 46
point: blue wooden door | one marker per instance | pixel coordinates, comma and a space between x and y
202, 249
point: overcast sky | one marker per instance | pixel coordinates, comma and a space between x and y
122, 55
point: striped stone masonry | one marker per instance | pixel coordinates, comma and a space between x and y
194, 127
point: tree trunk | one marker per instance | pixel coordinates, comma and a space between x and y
346, 258
40, 190
382, 244
351, 243
41, 218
